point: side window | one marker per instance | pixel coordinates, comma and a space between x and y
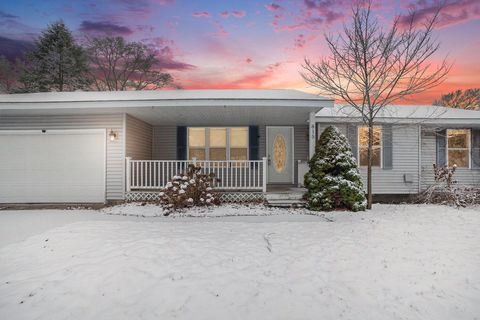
458, 148
363, 146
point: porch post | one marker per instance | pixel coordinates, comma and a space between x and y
312, 136
129, 174
265, 169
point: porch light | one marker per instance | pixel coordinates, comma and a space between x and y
112, 135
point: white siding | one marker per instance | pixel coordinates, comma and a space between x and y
138, 135
463, 176
405, 161
114, 155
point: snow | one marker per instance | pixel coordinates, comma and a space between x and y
394, 262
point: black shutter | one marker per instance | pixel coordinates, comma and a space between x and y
253, 142
352, 136
181, 143
441, 137
387, 147
475, 148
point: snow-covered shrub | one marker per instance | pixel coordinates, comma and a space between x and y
190, 189
333, 180
446, 191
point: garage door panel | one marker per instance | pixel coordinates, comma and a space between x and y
52, 167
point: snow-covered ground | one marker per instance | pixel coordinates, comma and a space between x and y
394, 262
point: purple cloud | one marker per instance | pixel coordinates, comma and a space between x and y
201, 14
452, 11
13, 48
4, 15
104, 27
166, 61
239, 14
273, 7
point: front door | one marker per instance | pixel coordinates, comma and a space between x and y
280, 154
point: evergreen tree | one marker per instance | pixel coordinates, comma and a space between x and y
333, 180
56, 63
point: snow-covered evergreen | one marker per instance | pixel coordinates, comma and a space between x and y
333, 180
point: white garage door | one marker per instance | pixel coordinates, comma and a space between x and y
55, 166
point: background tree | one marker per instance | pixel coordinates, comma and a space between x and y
333, 180
56, 63
370, 66
468, 99
120, 65
9, 75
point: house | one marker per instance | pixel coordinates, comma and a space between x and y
90, 147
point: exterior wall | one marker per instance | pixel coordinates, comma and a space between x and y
165, 143
405, 141
469, 177
138, 139
115, 156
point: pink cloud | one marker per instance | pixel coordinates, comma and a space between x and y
248, 60
452, 12
239, 14
201, 14
273, 7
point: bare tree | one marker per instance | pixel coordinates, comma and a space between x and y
117, 65
9, 75
468, 99
370, 67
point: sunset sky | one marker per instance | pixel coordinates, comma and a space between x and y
241, 44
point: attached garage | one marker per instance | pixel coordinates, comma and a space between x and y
52, 166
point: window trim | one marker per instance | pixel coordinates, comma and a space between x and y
207, 142
469, 147
359, 146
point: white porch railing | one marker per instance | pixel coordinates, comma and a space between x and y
232, 174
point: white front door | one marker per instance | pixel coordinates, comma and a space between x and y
280, 154
54, 166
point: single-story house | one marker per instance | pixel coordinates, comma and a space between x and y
90, 147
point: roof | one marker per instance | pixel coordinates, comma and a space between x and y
405, 113
174, 107
85, 96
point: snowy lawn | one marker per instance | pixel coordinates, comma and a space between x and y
394, 262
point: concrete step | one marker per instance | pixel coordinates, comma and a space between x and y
283, 196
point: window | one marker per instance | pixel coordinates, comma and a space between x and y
363, 146
458, 148
218, 143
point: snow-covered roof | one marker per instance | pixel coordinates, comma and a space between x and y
85, 96
405, 113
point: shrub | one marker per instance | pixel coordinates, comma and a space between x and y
189, 189
333, 180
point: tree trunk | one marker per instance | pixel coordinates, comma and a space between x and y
369, 166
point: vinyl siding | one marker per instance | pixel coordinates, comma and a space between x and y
114, 153
405, 161
138, 135
463, 176
164, 143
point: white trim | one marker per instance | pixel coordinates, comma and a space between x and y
469, 146
105, 135
292, 146
124, 150
381, 146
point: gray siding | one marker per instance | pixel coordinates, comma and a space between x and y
463, 176
405, 161
115, 151
138, 139
165, 143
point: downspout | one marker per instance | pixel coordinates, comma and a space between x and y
419, 158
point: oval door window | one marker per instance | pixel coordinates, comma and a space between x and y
279, 153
